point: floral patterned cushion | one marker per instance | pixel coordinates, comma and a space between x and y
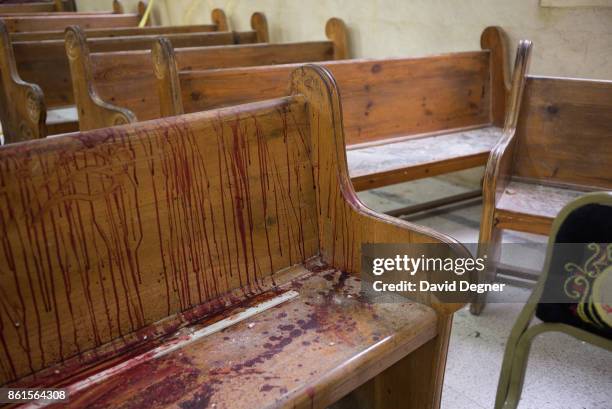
578, 289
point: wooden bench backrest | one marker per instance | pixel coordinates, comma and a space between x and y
127, 79
381, 99
106, 232
43, 7
218, 18
17, 24
564, 133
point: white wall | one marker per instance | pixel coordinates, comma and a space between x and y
575, 42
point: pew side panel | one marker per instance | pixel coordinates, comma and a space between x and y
22, 109
91, 108
259, 24
498, 172
344, 224
494, 40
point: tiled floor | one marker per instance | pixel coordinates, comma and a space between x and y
563, 373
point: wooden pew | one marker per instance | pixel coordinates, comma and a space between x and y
115, 88
218, 18
45, 64
17, 23
38, 7
559, 147
209, 260
405, 118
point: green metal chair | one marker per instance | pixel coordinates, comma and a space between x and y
572, 294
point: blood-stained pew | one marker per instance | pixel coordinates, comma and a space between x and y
405, 118
36, 75
209, 260
115, 88
557, 148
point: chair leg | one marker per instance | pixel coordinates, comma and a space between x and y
511, 381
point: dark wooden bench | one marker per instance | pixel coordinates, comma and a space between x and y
27, 22
45, 64
405, 118
204, 261
115, 88
559, 147
218, 23
35, 7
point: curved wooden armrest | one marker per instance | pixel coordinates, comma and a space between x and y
499, 165
345, 223
23, 111
219, 19
259, 24
335, 30
92, 110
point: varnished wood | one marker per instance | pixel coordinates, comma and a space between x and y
497, 172
35, 7
541, 164
436, 100
116, 32
59, 22
336, 31
22, 110
149, 227
219, 19
259, 24
128, 80
45, 64
564, 134
493, 39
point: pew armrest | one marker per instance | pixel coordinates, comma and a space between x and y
22, 111
92, 110
219, 19
336, 32
259, 24
499, 167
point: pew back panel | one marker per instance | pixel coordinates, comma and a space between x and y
565, 132
383, 99
116, 32
89, 21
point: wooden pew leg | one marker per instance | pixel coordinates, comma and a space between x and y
489, 244
415, 382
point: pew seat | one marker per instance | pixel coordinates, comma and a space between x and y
531, 207
387, 162
307, 343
